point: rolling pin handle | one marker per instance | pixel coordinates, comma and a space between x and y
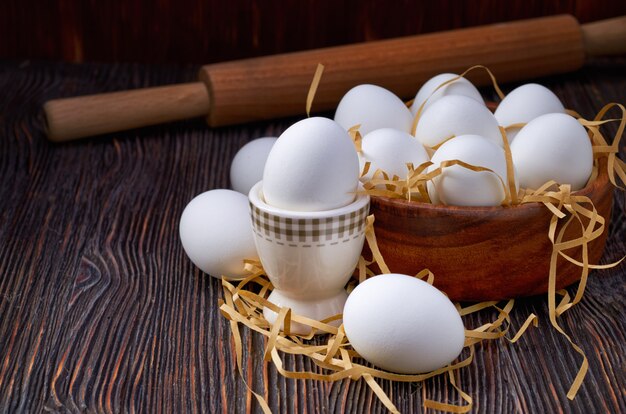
82, 116
605, 37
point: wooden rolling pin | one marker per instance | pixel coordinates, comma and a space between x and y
276, 86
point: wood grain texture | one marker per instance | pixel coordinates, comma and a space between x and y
206, 31
100, 310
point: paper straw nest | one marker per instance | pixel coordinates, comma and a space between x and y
244, 300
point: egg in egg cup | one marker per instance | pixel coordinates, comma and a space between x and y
308, 256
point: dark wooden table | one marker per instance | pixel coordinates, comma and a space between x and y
101, 311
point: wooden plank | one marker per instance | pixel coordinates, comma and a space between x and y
207, 31
100, 310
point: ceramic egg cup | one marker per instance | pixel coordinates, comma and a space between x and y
308, 256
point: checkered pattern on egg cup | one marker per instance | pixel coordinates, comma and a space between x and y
308, 254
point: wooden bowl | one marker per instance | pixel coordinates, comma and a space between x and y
483, 253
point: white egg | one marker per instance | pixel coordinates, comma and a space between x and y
458, 186
313, 167
216, 232
455, 115
511, 133
403, 324
525, 103
373, 108
553, 147
460, 86
390, 150
247, 167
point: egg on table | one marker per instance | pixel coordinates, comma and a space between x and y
459, 186
247, 167
216, 233
553, 147
454, 115
373, 107
390, 150
403, 324
525, 103
460, 86
313, 166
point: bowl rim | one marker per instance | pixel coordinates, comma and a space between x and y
600, 181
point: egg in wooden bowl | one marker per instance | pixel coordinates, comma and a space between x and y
479, 228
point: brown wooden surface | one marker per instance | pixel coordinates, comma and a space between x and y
100, 310
205, 31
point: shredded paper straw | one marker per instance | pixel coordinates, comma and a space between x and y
244, 300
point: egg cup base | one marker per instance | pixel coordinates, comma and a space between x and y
317, 309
